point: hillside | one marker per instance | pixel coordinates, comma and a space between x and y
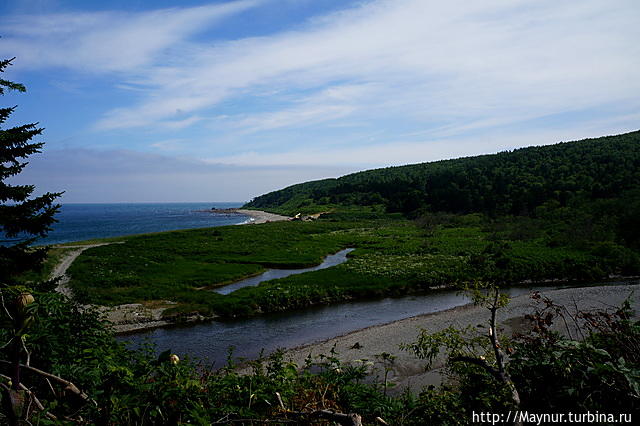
508, 183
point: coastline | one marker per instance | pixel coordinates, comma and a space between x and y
136, 317
255, 216
259, 216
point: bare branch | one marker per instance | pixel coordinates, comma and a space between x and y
493, 333
5, 306
480, 363
350, 419
33, 397
24, 348
280, 401
68, 385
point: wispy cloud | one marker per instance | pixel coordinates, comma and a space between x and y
101, 42
407, 150
329, 104
456, 61
442, 72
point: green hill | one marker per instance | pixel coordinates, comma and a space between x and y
508, 183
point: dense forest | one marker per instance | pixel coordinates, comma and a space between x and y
508, 183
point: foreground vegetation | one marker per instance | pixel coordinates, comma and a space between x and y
119, 386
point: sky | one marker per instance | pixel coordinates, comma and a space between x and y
176, 101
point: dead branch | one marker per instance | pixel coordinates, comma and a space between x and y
280, 401
69, 386
493, 334
32, 396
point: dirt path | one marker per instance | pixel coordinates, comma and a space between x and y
60, 271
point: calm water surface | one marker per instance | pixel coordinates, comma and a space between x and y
209, 341
272, 274
78, 222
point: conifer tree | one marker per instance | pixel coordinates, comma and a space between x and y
23, 218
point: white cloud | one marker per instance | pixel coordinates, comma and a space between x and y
181, 124
441, 72
169, 145
415, 150
101, 42
330, 104
456, 61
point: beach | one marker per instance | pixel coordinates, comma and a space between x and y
258, 216
409, 372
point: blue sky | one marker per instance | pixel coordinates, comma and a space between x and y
225, 100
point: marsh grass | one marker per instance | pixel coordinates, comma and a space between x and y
54, 257
393, 256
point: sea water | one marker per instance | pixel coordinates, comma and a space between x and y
78, 222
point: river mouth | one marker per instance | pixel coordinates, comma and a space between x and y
272, 274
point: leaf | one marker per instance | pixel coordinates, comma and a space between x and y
602, 352
164, 356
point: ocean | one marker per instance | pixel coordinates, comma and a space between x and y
78, 222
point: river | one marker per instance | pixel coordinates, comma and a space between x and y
209, 342
272, 274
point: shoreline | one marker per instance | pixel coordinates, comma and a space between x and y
136, 317
367, 344
259, 216
255, 216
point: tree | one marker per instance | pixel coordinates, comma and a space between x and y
468, 346
22, 219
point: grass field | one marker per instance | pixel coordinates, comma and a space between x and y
393, 256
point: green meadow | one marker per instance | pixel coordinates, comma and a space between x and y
392, 256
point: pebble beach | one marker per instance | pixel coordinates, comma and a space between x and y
409, 372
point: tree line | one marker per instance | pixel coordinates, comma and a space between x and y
507, 183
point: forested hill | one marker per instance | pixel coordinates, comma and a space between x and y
512, 182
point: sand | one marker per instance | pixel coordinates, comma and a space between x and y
409, 372
60, 271
258, 216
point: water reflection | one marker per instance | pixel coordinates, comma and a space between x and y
272, 274
210, 341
